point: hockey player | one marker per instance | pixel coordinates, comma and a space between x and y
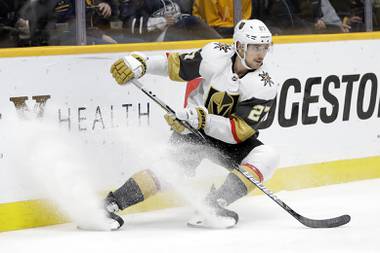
234, 96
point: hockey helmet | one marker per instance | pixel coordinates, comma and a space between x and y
252, 31
248, 32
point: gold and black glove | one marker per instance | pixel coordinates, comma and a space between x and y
125, 69
195, 116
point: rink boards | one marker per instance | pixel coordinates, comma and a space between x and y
326, 122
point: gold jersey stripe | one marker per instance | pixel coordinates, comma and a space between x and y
240, 129
147, 183
174, 67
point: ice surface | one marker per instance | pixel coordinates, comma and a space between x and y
263, 227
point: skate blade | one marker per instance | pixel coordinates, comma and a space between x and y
212, 223
108, 225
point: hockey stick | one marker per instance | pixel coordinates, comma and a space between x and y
312, 223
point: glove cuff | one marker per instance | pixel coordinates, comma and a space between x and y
201, 117
142, 59
137, 63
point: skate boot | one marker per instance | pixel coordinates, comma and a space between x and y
214, 214
111, 206
104, 218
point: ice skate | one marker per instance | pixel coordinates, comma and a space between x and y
105, 218
111, 207
214, 216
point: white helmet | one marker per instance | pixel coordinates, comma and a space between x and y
251, 31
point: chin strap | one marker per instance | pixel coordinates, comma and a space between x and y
242, 60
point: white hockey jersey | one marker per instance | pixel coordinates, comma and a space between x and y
236, 105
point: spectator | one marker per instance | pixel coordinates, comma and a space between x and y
333, 22
219, 14
12, 27
352, 13
282, 16
308, 16
39, 15
98, 16
8, 12
158, 20
376, 17
185, 5
311, 12
52, 22
338, 15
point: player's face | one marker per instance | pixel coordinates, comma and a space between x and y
255, 54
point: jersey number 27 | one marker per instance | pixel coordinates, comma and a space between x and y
257, 111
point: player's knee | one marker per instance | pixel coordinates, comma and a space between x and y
264, 160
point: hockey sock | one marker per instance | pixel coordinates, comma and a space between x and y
235, 186
232, 189
139, 187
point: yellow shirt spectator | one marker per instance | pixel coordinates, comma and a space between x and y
220, 13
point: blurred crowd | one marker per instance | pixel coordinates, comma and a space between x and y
53, 22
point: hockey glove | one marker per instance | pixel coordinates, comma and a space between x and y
195, 116
128, 68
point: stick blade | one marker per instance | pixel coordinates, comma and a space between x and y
326, 223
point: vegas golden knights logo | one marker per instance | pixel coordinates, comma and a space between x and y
220, 102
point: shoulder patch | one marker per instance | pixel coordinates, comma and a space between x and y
216, 56
218, 49
266, 78
222, 47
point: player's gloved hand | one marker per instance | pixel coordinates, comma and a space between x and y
129, 67
195, 116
